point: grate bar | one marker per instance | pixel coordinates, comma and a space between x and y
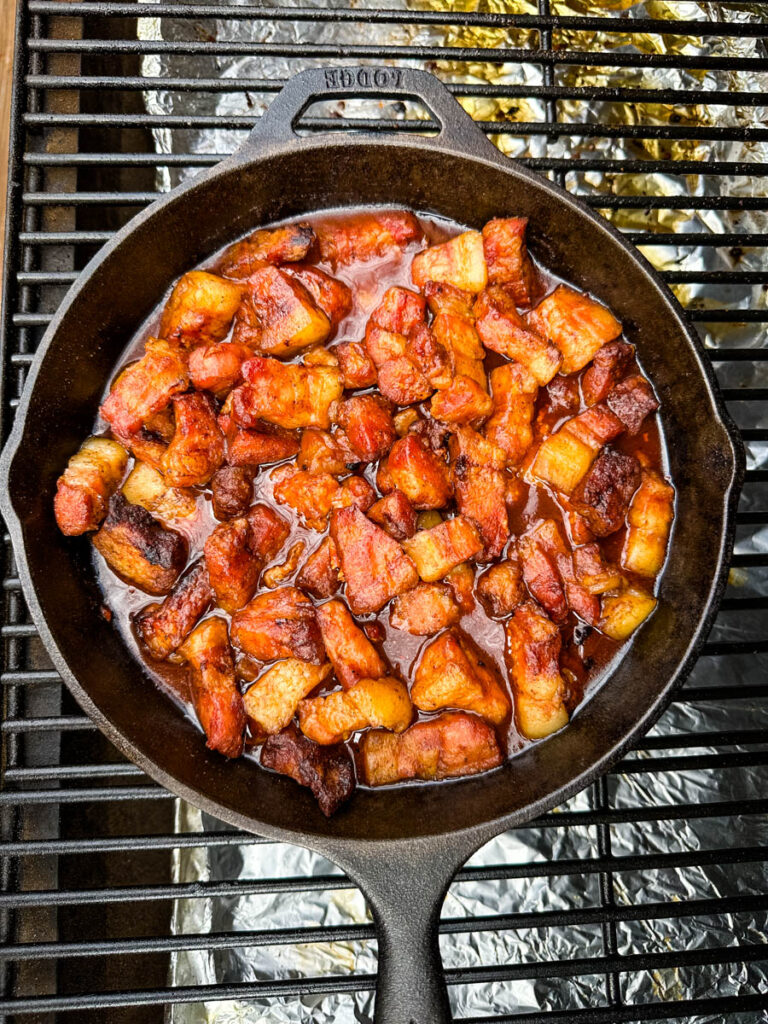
677, 1010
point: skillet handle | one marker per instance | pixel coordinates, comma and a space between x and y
277, 124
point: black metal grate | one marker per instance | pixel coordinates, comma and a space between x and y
87, 840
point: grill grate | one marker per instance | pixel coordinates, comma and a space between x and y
91, 848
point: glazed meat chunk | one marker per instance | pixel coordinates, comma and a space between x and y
164, 626
330, 295
564, 458
147, 487
631, 401
314, 495
320, 573
480, 488
231, 491
321, 452
271, 702
352, 654
402, 382
649, 519
593, 572
280, 624
145, 387
278, 316
357, 367
289, 396
457, 336
421, 475
237, 551
218, 368
508, 261
92, 476
533, 650
446, 298
369, 703
138, 548
448, 746
500, 588
576, 324
217, 700
622, 612
252, 448
425, 610
200, 310
286, 244
395, 514
464, 401
327, 772
400, 310
459, 262
367, 422
367, 236
374, 565
197, 448
609, 365
454, 673
461, 580
549, 574
514, 393
502, 330
441, 548
604, 494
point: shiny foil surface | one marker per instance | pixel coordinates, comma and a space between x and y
547, 879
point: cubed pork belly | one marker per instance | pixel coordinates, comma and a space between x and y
402, 382
502, 330
367, 236
320, 574
514, 392
289, 396
382, 345
352, 654
321, 452
215, 695
457, 337
237, 551
549, 574
328, 772
455, 673
281, 624
593, 572
145, 387
278, 316
330, 295
451, 745
649, 520
562, 396
370, 703
367, 423
509, 264
461, 580
441, 548
231, 491
395, 514
533, 651
564, 458
147, 487
197, 448
477, 468
500, 589
200, 309
631, 401
623, 611
576, 324
425, 610
218, 368
313, 495
609, 365
92, 476
464, 402
446, 298
164, 626
375, 567
139, 548
261, 446
604, 493
419, 473
400, 310
271, 702
287, 244
357, 367
279, 573
459, 262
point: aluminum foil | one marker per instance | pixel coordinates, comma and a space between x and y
687, 718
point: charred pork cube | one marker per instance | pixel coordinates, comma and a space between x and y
402, 382
445, 298
464, 402
92, 476
197, 448
146, 387
549, 573
374, 565
382, 703
320, 573
609, 365
252, 448
237, 551
278, 574
460, 262
425, 610
271, 702
441, 548
357, 367
367, 236
576, 324
327, 772
508, 261
289, 396
593, 572
313, 495
164, 626
562, 395
564, 458
480, 487
395, 514
138, 548
287, 244
461, 580
596, 426
502, 330
320, 452
421, 475
631, 401
448, 746
624, 611
457, 336
500, 588
367, 422
270, 531
278, 316
533, 650
147, 487
400, 310
218, 702
218, 368
200, 309
650, 518
332, 296
281, 624
604, 494
352, 655
231, 491
514, 393
454, 673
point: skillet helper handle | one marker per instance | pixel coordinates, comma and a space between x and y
277, 124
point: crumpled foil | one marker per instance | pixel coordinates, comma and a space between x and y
540, 892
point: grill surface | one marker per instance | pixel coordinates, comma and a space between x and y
88, 841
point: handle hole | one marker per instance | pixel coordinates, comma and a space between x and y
384, 114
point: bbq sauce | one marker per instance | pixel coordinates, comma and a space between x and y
586, 653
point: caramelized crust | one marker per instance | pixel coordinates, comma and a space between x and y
289, 396
147, 487
369, 703
197, 448
441, 548
231, 491
352, 655
237, 551
425, 610
329, 294
92, 476
533, 650
200, 310
576, 324
321, 452
480, 488
252, 448
218, 702
459, 262
609, 365
421, 475
514, 393
631, 401
502, 330
286, 244
164, 626
278, 316
649, 519
367, 423
593, 572
145, 387
368, 236
402, 382
280, 624
455, 673
217, 368
508, 261
271, 702
461, 580
395, 514
604, 494
500, 588
357, 367
327, 772
138, 548
313, 495
320, 574
446, 298
374, 565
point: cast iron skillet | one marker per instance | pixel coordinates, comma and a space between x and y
401, 846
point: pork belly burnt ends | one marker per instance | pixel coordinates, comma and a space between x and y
378, 497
